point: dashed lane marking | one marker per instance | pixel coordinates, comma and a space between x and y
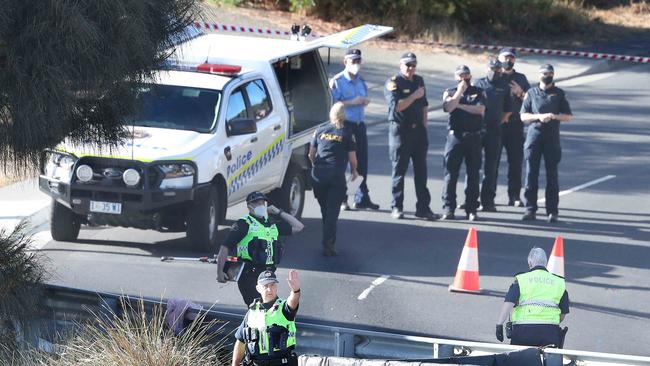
375, 283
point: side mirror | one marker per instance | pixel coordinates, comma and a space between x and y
241, 126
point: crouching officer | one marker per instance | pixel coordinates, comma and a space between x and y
267, 336
255, 240
465, 105
539, 302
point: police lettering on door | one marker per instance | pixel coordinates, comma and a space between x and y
239, 163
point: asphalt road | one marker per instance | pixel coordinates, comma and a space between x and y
606, 228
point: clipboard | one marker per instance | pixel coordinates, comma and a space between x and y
233, 269
353, 185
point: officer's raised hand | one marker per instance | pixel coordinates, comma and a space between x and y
293, 280
462, 87
515, 88
272, 210
499, 332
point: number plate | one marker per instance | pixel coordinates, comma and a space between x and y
106, 207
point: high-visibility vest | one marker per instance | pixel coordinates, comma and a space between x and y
264, 323
266, 235
540, 293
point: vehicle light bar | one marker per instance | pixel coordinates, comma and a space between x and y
218, 69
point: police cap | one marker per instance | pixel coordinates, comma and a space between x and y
507, 52
462, 69
353, 54
494, 64
546, 68
267, 277
408, 57
256, 196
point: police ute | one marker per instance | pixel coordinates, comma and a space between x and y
228, 115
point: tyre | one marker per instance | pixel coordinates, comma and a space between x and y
203, 221
64, 224
291, 196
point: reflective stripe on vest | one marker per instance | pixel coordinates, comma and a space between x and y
256, 230
540, 293
261, 319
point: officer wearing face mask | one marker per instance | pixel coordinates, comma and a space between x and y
512, 132
255, 240
544, 107
465, 105
349, 88
497, 111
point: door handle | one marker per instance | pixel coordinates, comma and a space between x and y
277, 127
254, 139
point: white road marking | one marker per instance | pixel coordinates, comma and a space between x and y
375, 283
582, 186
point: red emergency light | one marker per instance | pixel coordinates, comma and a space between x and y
220, 69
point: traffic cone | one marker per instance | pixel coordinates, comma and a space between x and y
466, 279
556, 260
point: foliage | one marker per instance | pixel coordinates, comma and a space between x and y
67, 68
21, 277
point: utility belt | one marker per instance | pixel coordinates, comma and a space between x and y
288, 359
463, 134
406, 126
277, 338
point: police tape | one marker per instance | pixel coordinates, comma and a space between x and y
243, 29
590, 55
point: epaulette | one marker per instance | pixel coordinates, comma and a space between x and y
391, 85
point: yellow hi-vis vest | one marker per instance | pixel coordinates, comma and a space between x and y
261, 234
262, 320
539, 298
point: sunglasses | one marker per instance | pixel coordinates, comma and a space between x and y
412, 64
547, 73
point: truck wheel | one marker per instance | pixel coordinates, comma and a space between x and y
203, 222
64, 224
291, 196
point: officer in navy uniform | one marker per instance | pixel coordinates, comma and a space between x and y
465, 105
497, 111
349, 88
254, 239
545, 106
512, 132
407, 137
267, 335
539, 302
332, 148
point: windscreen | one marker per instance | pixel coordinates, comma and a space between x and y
176, 107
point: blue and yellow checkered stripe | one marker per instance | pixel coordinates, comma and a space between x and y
248, 171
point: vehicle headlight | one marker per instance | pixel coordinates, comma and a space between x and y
131, 177
177, 176
84, 173
59, 166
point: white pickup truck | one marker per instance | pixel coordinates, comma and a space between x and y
231, 115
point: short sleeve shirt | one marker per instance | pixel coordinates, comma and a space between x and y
522, 81
398, 87
332, 147
463, 121
551, 100
513, 295
344, 88
239, 229
286, 311
497, 102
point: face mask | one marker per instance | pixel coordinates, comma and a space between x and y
353, 68
508, 65
546, 79
261, 211
493, 76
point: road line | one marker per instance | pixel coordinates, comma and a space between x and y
582, 186
375, 283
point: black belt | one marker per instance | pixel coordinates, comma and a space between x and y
405, 125
275, 361
464, 134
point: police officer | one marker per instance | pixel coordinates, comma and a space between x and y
538, 301
465, 105
349, 88
512, 132
267, 335
544, 107
497, 111
255, 240
332, 148
407, 137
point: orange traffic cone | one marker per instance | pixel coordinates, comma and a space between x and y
467, 273
556, 260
